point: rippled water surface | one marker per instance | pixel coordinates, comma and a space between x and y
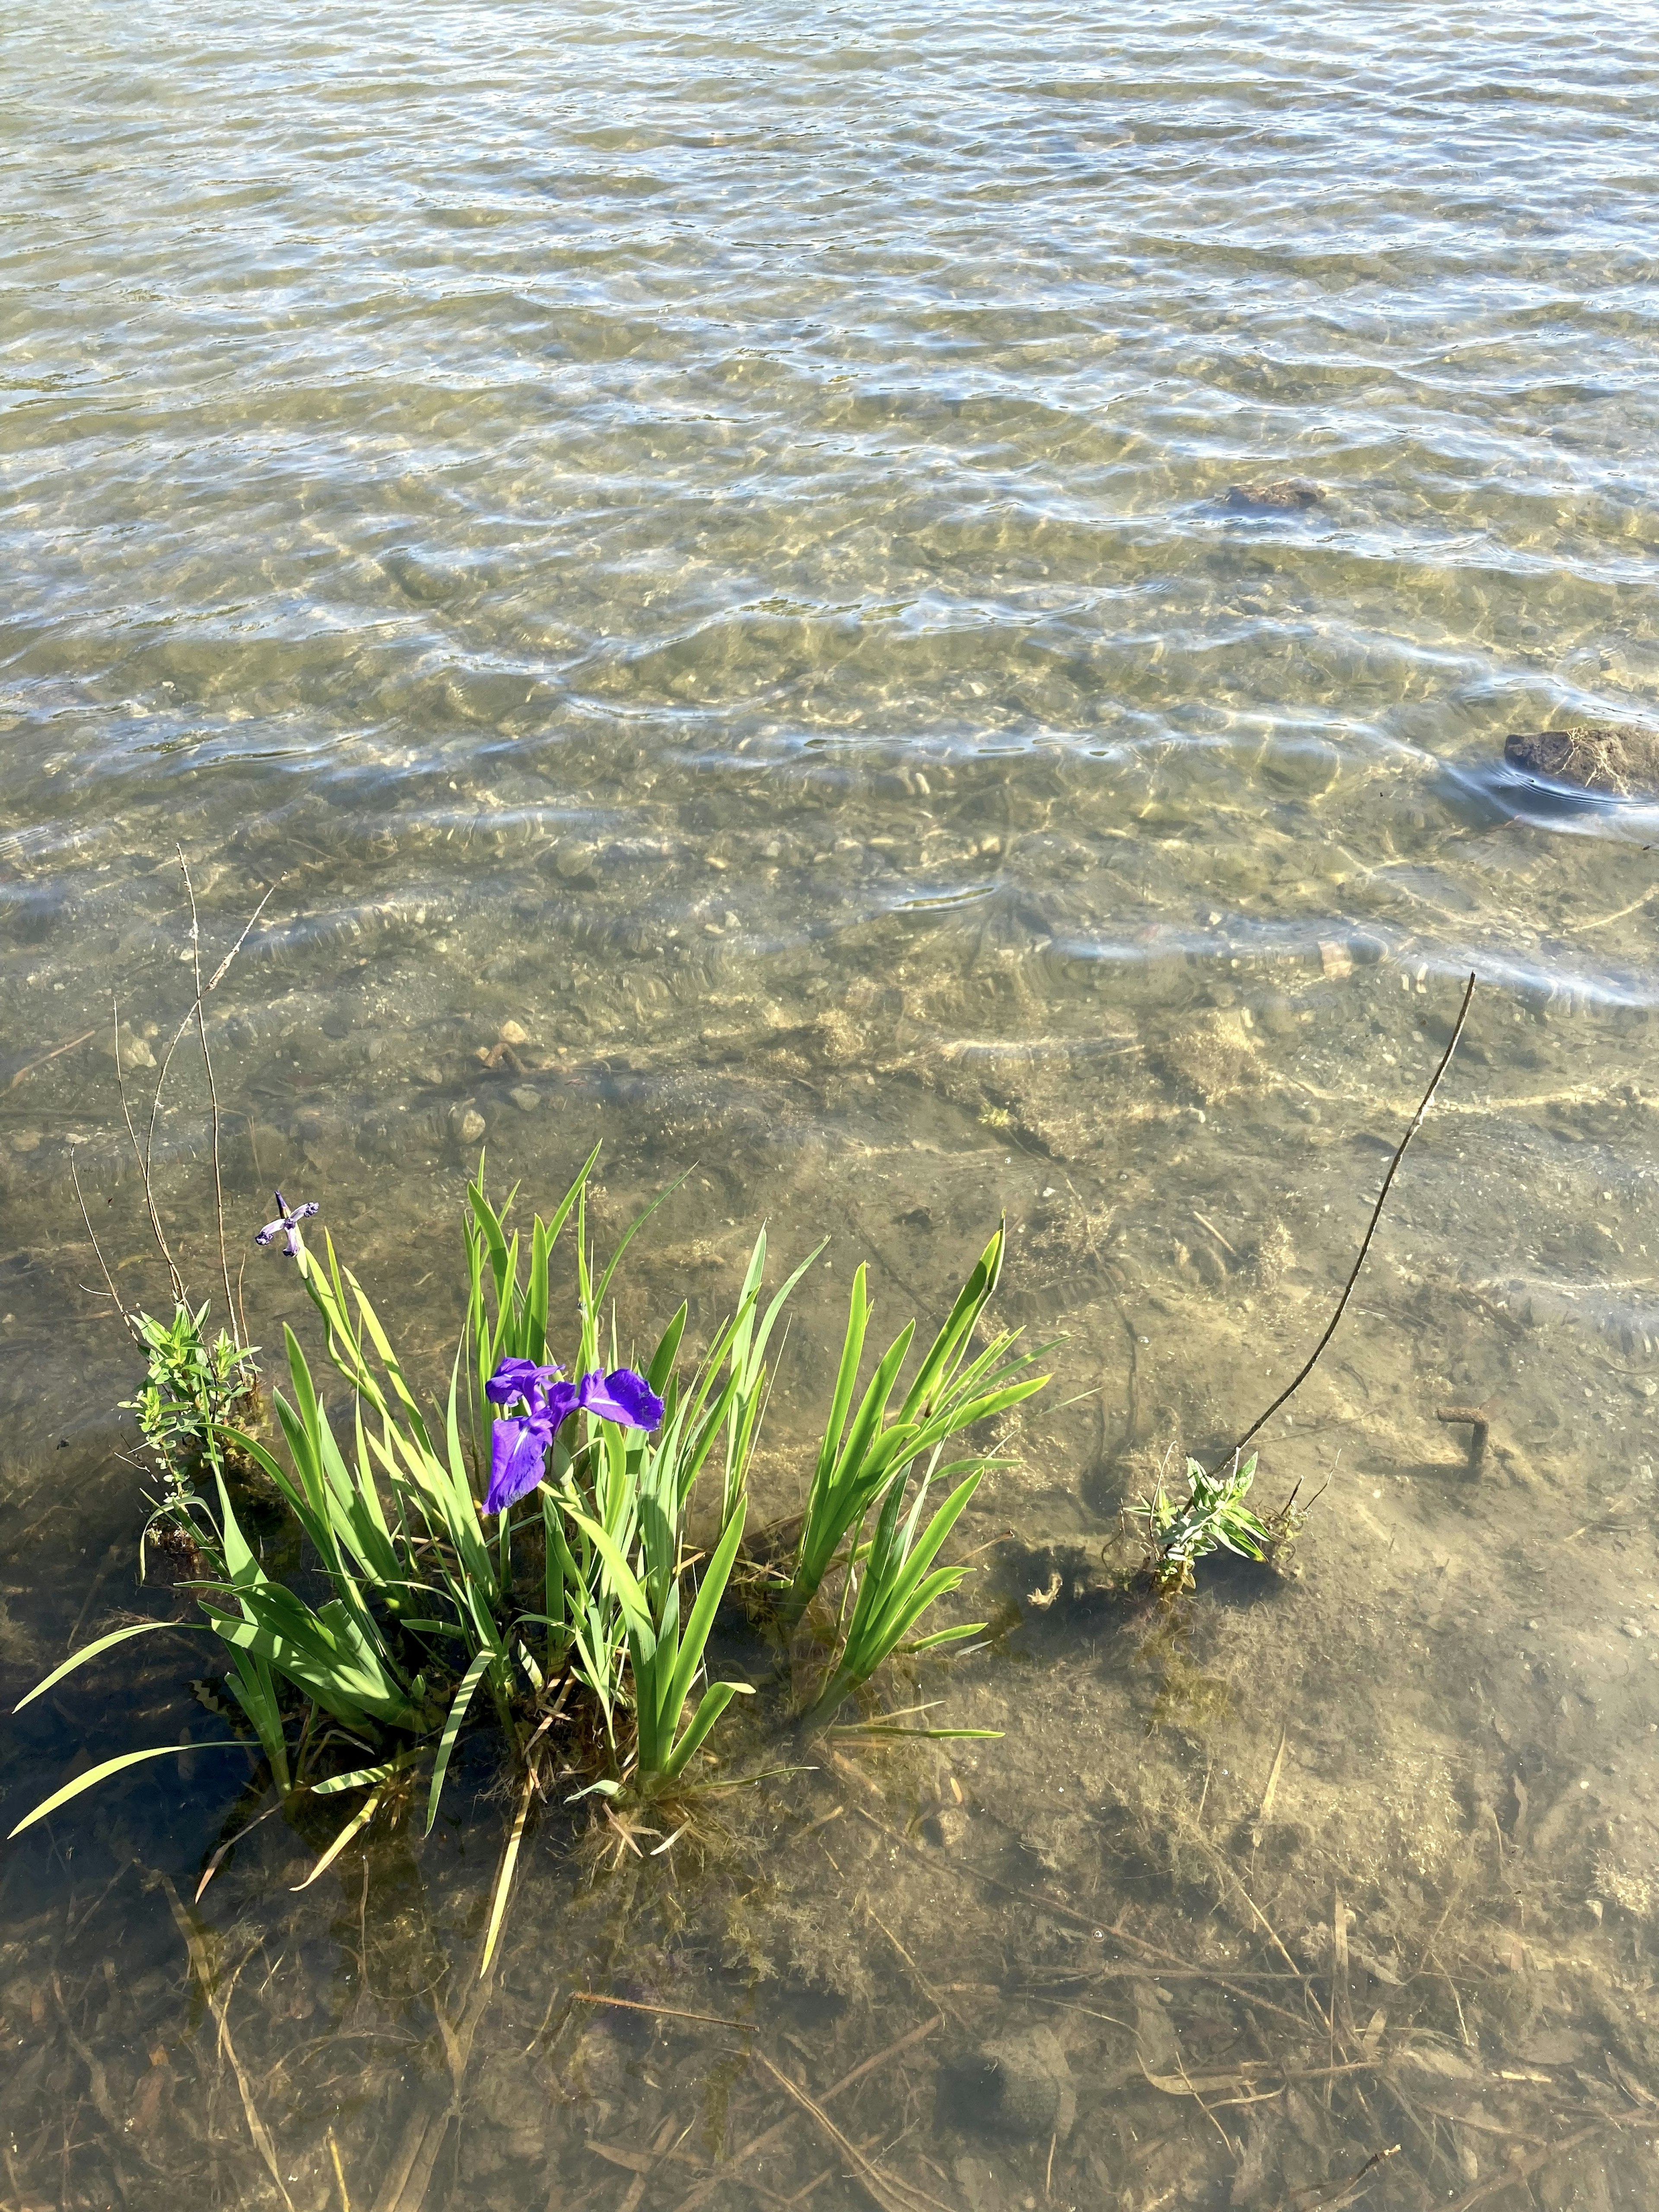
724, 539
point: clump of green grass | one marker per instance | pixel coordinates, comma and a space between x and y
865, 1465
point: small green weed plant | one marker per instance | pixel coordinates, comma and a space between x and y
570, 1606
1215, 1515
195, 1384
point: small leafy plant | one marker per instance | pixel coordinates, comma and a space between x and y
193, 1385
1213, 1517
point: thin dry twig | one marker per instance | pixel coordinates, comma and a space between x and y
1264, 1812
219, 2005
339, 2173
1413, 1126
646, 2162
213, 1088
1325, 2021
888, 2190
57, 1053
75, 1178
194, 1013
778, 2129
661, 2011
1063, 1912
1522, 2171
256, 2126
1346, 2190
141, 1155
1232, 2151
408, 2177
916, 1974
636, 2187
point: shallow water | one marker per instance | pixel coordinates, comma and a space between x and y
709, 539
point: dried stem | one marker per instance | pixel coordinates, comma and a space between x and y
98, 1248
141, 1153
1415, 1124
891, 2192
213, 1088
144, 1154
57, 1053
779, 2128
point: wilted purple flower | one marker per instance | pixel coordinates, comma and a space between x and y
288, 1222
518, 1445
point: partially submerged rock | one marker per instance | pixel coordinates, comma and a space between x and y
1620, 759
1280, 493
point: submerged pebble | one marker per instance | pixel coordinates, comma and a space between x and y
574, 862
131, 1051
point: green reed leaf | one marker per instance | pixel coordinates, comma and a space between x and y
94, 1775
96, 1649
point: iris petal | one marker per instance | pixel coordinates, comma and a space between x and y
623, 1397
557, 1402
516, 1378
518, 1455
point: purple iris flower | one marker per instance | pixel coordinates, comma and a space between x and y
518, 1445
288, 1221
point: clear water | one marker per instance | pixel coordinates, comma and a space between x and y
706, 536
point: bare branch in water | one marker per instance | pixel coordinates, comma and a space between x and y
241, 1310
57, 1053
1415, 1124
224, 969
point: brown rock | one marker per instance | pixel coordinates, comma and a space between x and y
1281, 494
1620, 759
947, 1827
